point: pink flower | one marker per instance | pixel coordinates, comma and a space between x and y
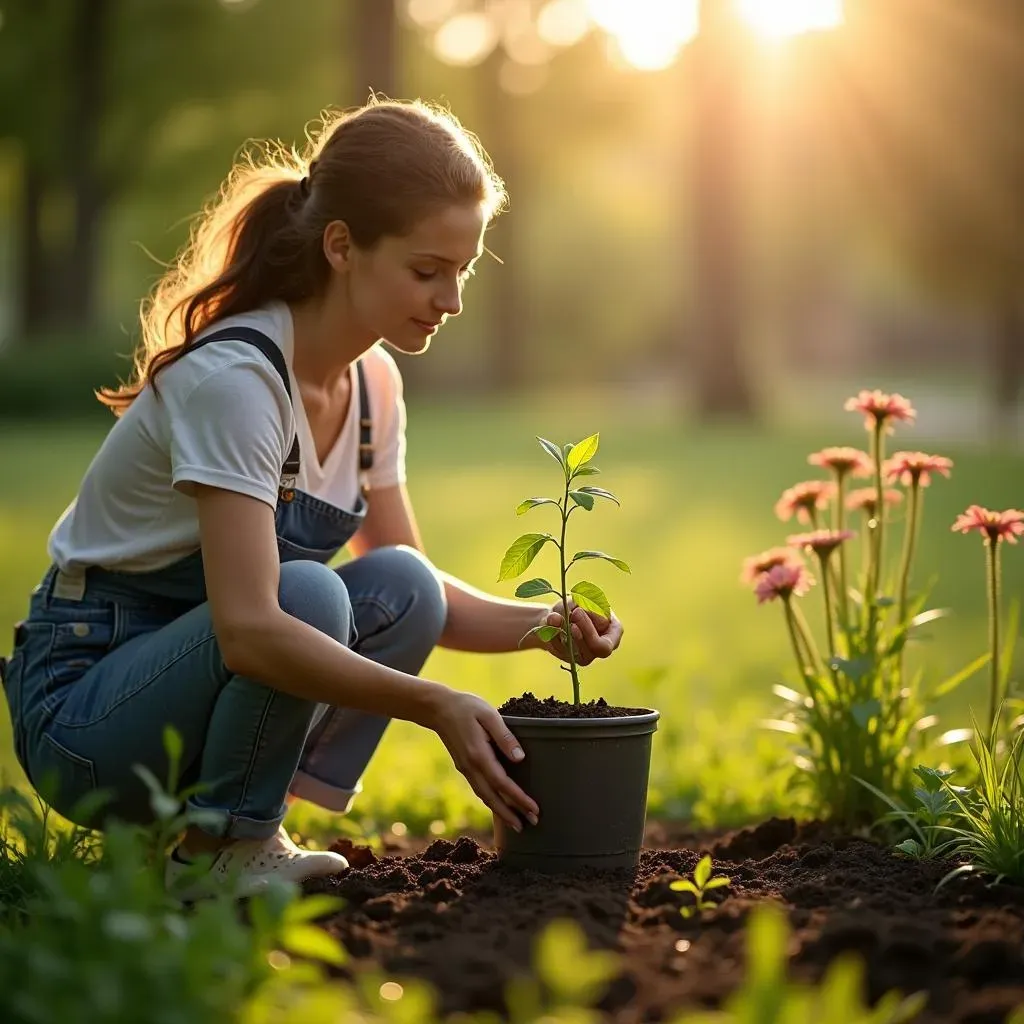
843, 461
865, 499
996, 526
803, 498
821, 542
783, 581
913, 468
758, 565
880, 409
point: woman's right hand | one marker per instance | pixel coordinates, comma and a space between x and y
467, 725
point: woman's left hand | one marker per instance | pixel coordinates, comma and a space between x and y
594, 636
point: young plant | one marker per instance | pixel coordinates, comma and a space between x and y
861, 715
701, 883
928, 821
574, 460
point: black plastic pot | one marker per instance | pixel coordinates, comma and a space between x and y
589, 777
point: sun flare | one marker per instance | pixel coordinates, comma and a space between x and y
650, 33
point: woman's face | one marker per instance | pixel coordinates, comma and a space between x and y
405, 287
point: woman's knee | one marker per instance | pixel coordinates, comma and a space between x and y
420, 582
315, 594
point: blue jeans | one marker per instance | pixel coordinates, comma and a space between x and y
93, 683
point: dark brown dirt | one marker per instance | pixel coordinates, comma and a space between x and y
529, 706
451, 915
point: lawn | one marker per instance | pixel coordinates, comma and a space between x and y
694, 503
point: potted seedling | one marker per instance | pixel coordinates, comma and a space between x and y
587, 763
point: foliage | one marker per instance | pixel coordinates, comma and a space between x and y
862, 715
574, 461
701, 883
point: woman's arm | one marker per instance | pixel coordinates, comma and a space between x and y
477, 621
261, 641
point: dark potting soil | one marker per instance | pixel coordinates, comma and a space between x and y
450, 914
529, 706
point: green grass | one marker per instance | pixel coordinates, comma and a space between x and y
695, 502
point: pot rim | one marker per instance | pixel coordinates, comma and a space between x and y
643, 719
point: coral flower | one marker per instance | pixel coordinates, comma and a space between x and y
843, 461
880, 409
996, 526
803, 499
865, 499
821, 542
757, 565
913, 468
783, 581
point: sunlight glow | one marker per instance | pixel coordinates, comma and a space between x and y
649, 33
777, 19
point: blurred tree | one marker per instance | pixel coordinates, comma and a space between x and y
375, 57
721, 383
937, 88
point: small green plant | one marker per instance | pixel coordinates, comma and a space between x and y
574, 460
935, 808
701, 883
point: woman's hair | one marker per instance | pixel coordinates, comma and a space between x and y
381, 169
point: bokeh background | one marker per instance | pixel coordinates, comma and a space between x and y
726, 217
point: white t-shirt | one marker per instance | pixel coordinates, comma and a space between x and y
222, 418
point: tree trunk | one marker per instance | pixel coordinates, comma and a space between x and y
88, 62
721, 385
33, 272
375, 35
506, 335
1007, 370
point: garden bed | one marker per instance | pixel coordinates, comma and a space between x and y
450, 915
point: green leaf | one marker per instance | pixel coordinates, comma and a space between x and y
718, 882
311, 907
520, 554
599, 492
553, 450
702, 872
863, 713
582, 453
533, 588
309, 941
575, 974
545, 633
525, 506
583, 500
911, 847
587, 471
947, 685
684, 885
855, 669
617, 562
590, 597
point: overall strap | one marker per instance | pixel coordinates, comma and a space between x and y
365, 423
259, 340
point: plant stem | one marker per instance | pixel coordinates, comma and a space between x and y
806, 670
992, 559
875, 565
567, 618
829, 627
913, 519
844, 610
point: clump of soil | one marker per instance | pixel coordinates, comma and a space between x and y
529, 706
452, 915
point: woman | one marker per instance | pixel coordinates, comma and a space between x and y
262, 432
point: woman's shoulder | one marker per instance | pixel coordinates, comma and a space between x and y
382, 372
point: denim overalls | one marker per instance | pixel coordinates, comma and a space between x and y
106, 659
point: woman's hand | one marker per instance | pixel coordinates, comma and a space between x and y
467, 725
593, 635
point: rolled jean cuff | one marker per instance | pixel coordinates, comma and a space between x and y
226, 825
323, 794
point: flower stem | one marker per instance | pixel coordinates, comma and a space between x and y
913, 521
806, 670
567, 619
992, 558
875, 565
844, 611
829, 626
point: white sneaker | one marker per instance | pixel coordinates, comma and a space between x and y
252, 865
